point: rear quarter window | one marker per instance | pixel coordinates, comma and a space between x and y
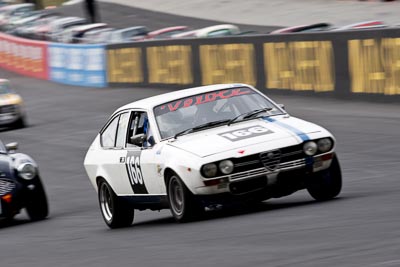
109, 134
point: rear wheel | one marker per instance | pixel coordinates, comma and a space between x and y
326, 184
36, 203
183, 206
115, 211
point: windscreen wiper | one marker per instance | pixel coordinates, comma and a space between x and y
248, 115
202, 126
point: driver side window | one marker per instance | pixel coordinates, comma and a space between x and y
139, 130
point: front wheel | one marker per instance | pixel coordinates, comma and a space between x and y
36, 203
326, 184
20, 123
181, 201
116, 212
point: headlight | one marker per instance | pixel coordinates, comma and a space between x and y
210, 170
27, 171
226, 166
310, 148
325, 144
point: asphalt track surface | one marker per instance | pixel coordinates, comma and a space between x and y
360, 228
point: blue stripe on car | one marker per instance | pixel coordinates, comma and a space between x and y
299, 133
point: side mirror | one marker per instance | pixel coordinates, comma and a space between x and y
138, 139
11, 147
282, 106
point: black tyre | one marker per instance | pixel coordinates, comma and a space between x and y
326, 184
115, 211
36, 203
20, 123
182, 204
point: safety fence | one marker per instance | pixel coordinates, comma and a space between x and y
82, 65
344, 64
23, 56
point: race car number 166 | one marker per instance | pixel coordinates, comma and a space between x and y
135, 173
246, 133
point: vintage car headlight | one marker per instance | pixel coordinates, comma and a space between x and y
27, 171
226, 166
310, 148
209, 170
324, 144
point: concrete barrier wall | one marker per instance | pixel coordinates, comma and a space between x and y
353, 64
23, 56
82, 65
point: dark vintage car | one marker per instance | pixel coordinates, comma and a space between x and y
20, 185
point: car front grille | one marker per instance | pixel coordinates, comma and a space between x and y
271, 159
278, 159
8, 109
264, 163
6, 186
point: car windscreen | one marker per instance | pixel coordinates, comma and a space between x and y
5, 88
185, 113
2, 148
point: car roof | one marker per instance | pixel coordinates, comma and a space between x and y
28, 19
150, 102
98, 30
204, 31
163, 30
88, 26
131, 28
12, 7
300, 28
67, 20
185, 34
364, 25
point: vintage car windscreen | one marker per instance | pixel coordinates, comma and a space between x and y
5, 88
181, 114
2, 148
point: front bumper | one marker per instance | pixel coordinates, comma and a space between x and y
9, 114
287, 178
11, 198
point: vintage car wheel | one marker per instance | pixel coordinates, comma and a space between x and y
181, 201
116, 212
326, 184
20, 123
36, 203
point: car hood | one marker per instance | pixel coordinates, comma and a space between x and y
9, 99
239, 135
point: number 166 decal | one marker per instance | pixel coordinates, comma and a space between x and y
245, 133
135, 174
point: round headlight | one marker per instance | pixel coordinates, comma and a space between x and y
310, 148
27, 171
325, 144
210, 170
226, 166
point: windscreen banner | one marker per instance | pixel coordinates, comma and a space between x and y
82, 65
24, 56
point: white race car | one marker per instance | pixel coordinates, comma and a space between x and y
206, 147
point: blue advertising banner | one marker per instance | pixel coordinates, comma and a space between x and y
74, 64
